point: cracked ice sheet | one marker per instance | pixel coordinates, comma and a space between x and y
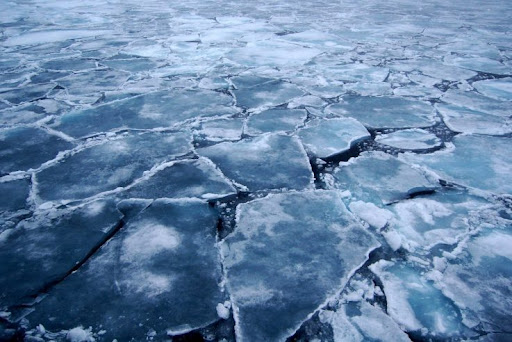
109, 165
326, 138
159, 109
181, 179
385, 112
276, 279
410, 139
159, 273
379, 178
270, 161
478, 279
480, 162
45, 247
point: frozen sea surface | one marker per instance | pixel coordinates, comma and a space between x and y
255, 170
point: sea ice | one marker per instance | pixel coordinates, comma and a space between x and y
481, 162
385, 112
326, 138
500, 89
109, 165
45, 247
24, 148
220, 129
159, 273
288, 255
410, 139
465, 120
184, 178
275, 120
266, 95
271, 161
379, 178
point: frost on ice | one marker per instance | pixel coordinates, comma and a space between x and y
288, 255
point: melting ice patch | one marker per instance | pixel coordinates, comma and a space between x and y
288, 255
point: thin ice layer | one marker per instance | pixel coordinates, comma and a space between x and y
410, 139
481, 162
380, 178
112, 164
288, 255
185, 178
160, 109
326, 138
159, 273
47, 246
23, 148
271, 161
385, 112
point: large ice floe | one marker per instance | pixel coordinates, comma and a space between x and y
324, 171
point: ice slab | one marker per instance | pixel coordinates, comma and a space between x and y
73, 64
13, 195
275, 120
288, 255
266, 95
220, 129
24, 148
271, 161
326, 138
109, 165
385, 112
132, 64
27, 93
465, 120
44, 248
362, 322
160, 109
379, 178
432, 68
272, 53
477, 102
440, 218
500, 89
483, 64
182, 179
481, 162
160, 273
478, 280
93, 82
410, 139
415, 304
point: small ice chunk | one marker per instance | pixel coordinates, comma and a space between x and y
326, 138
370, 213
271, 161
289, 254
410, 139
79, 334
222, 311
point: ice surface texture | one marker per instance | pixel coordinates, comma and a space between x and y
255, 170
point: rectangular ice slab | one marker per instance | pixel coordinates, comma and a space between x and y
44, 248
326, 138
111, 164
288, 255
271, 161
159, 274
